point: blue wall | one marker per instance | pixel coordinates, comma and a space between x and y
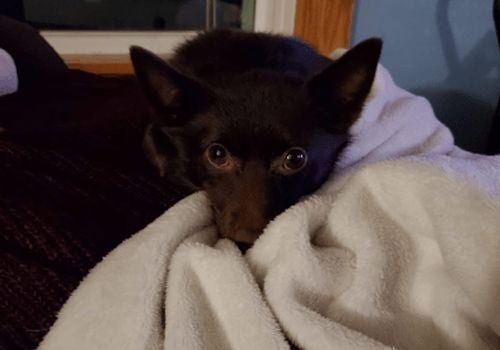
445, 50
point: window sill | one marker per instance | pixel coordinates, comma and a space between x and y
101, 64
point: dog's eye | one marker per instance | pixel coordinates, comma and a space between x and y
218, 156
295, 159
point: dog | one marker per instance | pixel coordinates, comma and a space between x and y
256, 120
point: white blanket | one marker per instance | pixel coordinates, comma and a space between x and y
400, 250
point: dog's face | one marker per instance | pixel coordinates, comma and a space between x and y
259, 143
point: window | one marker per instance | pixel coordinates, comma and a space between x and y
134, 15
84, 31
111, 26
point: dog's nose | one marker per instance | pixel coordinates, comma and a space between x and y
242, 246
245, 236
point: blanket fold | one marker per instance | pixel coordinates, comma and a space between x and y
400, 249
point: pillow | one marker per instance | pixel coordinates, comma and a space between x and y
35, 59
8, 74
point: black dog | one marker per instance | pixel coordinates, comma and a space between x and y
256, 120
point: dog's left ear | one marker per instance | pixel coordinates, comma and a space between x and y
172, 94
343, 86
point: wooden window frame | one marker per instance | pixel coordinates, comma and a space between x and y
324, 23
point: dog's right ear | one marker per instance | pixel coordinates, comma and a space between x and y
173, 95
343, 86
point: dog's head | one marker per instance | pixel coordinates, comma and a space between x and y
261, 142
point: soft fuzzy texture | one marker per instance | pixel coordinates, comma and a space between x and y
399, 250
8, 74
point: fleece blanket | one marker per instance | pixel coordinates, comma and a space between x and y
399, 249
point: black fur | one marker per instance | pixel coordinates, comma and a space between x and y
258, 95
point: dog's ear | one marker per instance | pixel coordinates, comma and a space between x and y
343, 86
173, 95
157, 148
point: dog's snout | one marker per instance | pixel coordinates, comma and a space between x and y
242, 204
242, 227
246, 224
245, 236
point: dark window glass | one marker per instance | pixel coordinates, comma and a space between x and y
134, 15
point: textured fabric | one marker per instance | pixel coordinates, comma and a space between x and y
73, 184
398, 250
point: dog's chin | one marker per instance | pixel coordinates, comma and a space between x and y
243, 247
241, 236
244, 239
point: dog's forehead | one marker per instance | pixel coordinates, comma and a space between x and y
251, 135
259, 113
271, 100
